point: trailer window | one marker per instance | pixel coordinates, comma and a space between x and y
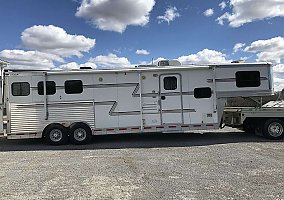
204, 92
20, 89
73, 87
170, 83
50, 88
248, 79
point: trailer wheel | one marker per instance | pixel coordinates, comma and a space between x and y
273, 129
56, 134
80, 133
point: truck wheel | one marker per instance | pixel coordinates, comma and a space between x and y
247, 128
80, 133
273, 129
56, 134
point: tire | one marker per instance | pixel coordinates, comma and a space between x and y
248, 129
273, 129
80, 133
56, 134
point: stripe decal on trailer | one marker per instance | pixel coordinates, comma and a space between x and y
19, 134
226, 80
197, 125
148, 127
159, 128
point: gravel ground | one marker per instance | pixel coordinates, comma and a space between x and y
225, 164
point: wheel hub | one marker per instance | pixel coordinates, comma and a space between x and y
275, 129
55, 135
80, 134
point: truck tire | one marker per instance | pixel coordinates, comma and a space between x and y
273, 129
80, 133
249, 128
56, 134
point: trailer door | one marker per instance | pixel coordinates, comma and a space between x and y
170, 94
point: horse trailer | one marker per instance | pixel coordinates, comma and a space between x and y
63, 106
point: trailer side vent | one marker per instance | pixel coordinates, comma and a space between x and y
248, 79
204, 92
73, 87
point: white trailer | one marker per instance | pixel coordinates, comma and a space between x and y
266, 120
77, 104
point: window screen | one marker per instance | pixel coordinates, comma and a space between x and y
170, 83
248, 79
204, 92
73, 87
20, 89
50, 88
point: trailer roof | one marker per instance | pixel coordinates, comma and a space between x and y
137, 69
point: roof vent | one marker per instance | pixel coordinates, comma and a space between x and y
163, 63
146, 66
85, 68
238, 61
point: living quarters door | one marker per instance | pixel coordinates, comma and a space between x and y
170, 94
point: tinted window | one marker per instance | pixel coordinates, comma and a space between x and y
170, 83
50, 88
247, 78
20, 89
204, 92
73, 87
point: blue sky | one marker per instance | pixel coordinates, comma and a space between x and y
123, 33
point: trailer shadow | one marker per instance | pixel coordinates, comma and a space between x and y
152, 140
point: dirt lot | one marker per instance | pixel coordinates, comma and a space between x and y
212, 165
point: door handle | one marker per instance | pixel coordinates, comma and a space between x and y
163, 97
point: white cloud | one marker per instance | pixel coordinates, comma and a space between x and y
116, 15
278, 68
278, 77
205, 56
271, 50
29, 59
278, 83
246, 11
238, 47
142, 52
55, 40
223, 5
170, 14
110, 61
209, 12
